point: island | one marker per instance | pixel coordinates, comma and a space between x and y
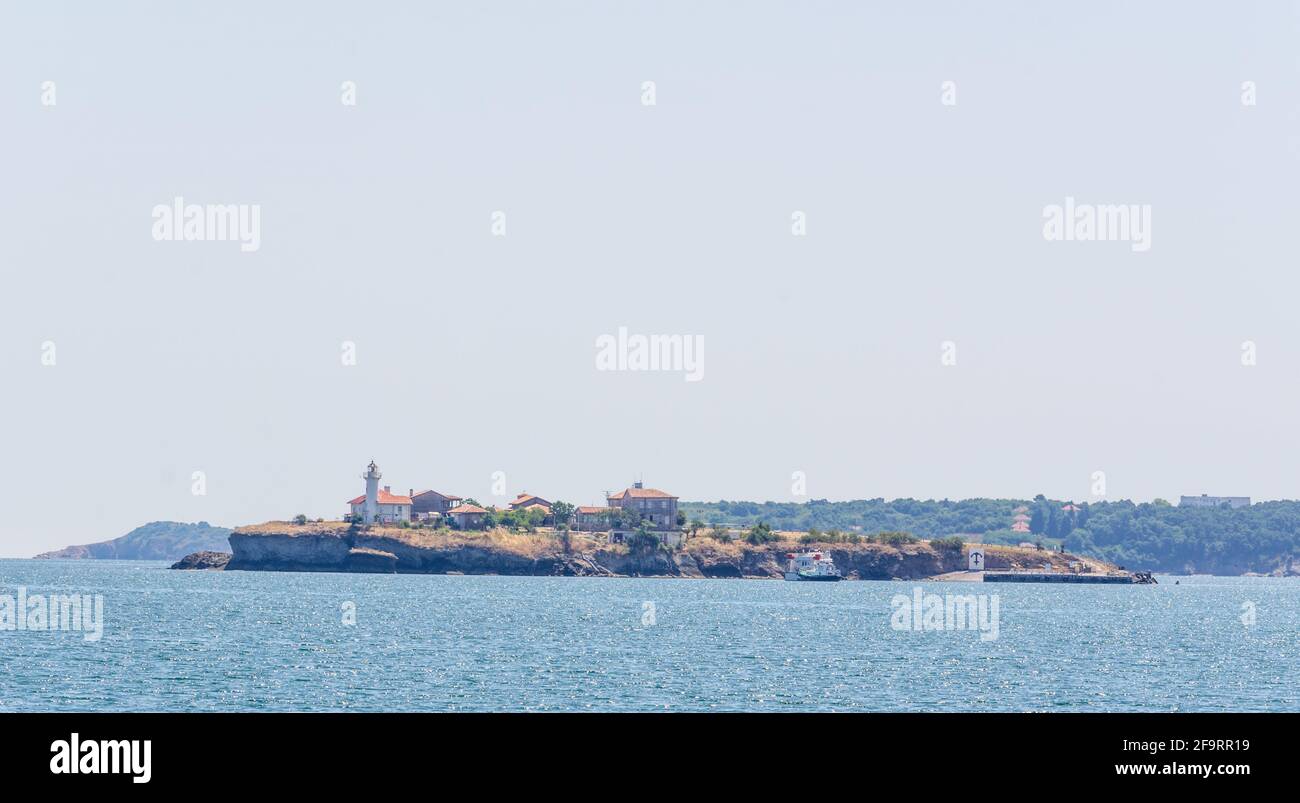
352, 547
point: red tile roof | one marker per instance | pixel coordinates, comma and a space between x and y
527, 500
592, 510
643, 493
385, 498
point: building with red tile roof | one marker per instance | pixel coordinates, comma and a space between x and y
526, 500
383, 506
658, 508
468, 517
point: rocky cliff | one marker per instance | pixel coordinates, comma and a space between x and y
339, 547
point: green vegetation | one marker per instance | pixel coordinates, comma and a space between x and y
925, 518
1163, 537
159, 540
720, 534
562, 511
525, 520
642, 541
760, 534
896, 538
952, 543
1153, 536
816, 536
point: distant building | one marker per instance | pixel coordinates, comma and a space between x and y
377, 505
1213, 501
468, 517
591, 519
657, 508
426, 503
524, 501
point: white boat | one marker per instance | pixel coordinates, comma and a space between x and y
811, 566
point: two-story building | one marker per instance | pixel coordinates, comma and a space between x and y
427, 503
657, 508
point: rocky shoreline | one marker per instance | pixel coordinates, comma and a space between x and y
203, 560
339, 547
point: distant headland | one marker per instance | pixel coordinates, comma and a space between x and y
157, 540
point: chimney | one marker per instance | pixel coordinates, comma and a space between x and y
388, 489
411, 492
636, 484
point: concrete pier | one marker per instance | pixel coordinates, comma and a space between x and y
1056, 577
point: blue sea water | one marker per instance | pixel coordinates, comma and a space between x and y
271, 641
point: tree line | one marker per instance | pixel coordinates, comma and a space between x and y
1154, 535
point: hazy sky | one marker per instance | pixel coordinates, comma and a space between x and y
476, 353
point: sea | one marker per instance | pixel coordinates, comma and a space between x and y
280, 641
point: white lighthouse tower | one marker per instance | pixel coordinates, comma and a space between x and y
371, 477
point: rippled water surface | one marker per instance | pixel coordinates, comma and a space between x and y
277, 641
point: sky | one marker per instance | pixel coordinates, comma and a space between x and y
842, 203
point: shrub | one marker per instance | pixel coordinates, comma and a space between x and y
951, 543
896, 538
760, 534
814, 536
642, 541
721, 534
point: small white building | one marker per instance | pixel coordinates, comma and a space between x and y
380, 505
1214, 501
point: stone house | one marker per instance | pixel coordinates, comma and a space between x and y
591, 519
657, 508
